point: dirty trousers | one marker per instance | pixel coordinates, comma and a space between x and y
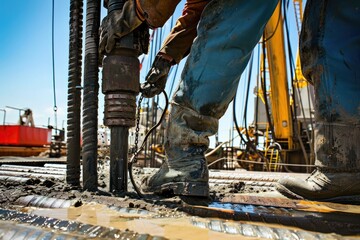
330, 55
227, 33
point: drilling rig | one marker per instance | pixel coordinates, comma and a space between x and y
121, 85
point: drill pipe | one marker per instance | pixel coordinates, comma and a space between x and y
120, 85
118, 159
91, 92
74, 95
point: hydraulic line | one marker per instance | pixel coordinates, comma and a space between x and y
264, 92
91, 92
257, 98
133, 158
292, 65
250, 144
147, 128
74, 94
154, 135
152, 139
276, 27
247, 97
273, 135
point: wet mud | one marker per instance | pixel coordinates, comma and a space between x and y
176, 217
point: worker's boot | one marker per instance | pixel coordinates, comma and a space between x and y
184, 172
337, 175
331, 61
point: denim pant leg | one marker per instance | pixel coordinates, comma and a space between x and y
330, 56
227, 33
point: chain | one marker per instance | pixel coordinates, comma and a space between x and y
137, 129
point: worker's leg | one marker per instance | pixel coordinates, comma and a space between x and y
330, 45
227, 33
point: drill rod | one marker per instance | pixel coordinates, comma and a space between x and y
118, 159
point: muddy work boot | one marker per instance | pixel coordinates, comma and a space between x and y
337, 176
187, 175
322, 185
184, 172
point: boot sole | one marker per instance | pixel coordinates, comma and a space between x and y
349, 199
184, 189
287, 193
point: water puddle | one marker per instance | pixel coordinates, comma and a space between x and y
171, 228
209, 227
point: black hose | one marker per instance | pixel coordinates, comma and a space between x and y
276, 27
248, 143
292, 66
74, 94
265, 96
133, 158
247, 98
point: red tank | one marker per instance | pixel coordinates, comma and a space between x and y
17, 135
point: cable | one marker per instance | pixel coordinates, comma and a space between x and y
257, 97
265, 96
133, 158
53, 61
250, 144
292, 65
276, 27
236, 122
247, 96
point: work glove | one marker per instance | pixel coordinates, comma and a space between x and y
156, 77
116, 25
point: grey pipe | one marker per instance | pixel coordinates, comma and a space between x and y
74, 94
91, 92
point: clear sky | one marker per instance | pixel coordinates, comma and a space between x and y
26, 61
25, 58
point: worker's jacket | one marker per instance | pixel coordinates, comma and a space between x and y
157, 12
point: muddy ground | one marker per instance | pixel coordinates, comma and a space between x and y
163, 205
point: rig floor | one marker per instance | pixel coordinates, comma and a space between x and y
35, 203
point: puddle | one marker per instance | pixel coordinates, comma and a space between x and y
144, 222
323, 210
171, 228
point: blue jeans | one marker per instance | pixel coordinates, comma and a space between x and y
330, 43
330, 55
227, 33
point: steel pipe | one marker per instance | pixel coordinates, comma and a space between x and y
121, 84
91, 92
118, 159
74, 94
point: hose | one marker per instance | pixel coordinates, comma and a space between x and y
133, 158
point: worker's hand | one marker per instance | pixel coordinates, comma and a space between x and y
116, 25
156, 78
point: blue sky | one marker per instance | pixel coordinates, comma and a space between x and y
26, 61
